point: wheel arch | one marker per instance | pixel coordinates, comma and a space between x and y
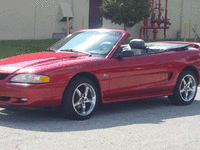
194, 70
176, 98
88, 75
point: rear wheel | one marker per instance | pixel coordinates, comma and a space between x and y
185, 89
80, 99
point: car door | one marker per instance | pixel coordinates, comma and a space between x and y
137, 76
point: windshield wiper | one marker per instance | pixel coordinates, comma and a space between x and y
75, 51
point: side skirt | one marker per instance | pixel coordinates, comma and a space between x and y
136, 97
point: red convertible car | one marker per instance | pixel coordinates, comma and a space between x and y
95, 66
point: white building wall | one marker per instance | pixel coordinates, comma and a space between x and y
38, 19
174, 12
81, 14
16, 22
190, 17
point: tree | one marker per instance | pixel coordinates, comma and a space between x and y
127, 12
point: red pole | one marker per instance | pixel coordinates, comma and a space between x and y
141, 32
166, 5
165, 33
165, 22
144, 33
159, 12
146, 28
152, 4
155, 34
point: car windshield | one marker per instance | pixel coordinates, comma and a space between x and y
95, 43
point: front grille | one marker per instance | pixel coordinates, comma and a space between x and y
3, 76
4, 98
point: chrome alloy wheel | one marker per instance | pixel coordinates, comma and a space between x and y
187, 87
84, 99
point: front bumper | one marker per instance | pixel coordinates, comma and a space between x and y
48, 94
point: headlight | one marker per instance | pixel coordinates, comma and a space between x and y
30, 78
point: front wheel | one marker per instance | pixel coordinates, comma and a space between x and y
185, 89
80, 99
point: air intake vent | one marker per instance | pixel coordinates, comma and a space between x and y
3, 76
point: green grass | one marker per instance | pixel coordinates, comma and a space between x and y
16, 47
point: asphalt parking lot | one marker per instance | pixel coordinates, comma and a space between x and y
148, 124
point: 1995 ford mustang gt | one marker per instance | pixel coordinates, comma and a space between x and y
94, 66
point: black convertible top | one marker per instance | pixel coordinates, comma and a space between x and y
158, 47
164, 47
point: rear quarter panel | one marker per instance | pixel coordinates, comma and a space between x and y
178, 61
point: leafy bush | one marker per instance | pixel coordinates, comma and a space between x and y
127, 12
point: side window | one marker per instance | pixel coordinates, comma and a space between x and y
139, 52
123, 51
117, 52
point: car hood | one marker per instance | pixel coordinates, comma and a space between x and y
15, 63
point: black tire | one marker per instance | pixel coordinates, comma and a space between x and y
185, 89
80, 99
